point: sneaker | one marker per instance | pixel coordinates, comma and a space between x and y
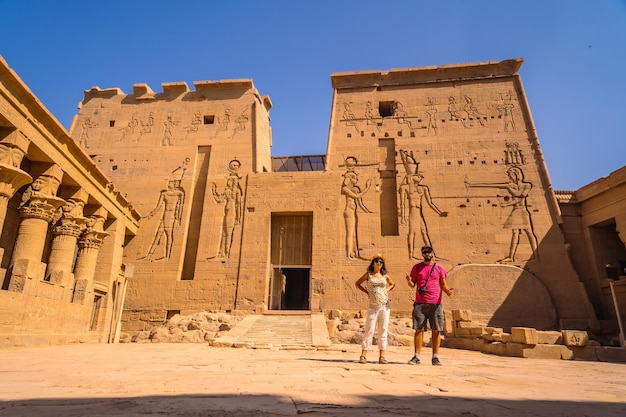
414, 361
436, 362
362, 359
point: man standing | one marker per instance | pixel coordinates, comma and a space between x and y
429, 280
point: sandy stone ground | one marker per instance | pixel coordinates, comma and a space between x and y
198, 380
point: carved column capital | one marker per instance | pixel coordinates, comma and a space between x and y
91, 239
12, 179
41, 207
68, 229
70, 220
13, 148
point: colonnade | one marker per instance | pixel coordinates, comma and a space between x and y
68, 274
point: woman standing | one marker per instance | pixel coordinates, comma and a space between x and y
378, 286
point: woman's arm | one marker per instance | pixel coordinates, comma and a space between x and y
361, 281
390, 284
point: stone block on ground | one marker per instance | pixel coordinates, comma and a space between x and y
524, 335
462, 315
549, 337
543, 351
575, 338
611, 354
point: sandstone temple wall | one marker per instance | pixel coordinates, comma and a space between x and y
159, 203
444, 155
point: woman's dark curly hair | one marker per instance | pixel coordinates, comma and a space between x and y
383, 269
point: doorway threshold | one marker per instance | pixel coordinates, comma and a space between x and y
287, 312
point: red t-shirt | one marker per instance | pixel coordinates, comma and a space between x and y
420, 276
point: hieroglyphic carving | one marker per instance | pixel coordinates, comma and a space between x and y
505, 111
129, 129
223, 122
371, 116
472, 112
196, 121
399, 113
171, 201
147, 126
431, 117
455, 113
354, 201
168, 136
513, 154
412, 194
84, 133
233, 207
519, 220
349, 117
240, 122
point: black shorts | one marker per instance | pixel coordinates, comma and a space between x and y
428, 313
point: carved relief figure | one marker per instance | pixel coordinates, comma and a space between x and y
171, 202
349, 117
371, 117
354, 201
11, 155
33, 190
240, 122
431, 117
147, 126
224, 121
399, 113
84, 133
195, 122
412, 196
166, 140
505, 111
129, 129
519, 220
455, 114
472, 111
232, 199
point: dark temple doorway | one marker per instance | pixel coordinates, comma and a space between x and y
291, 250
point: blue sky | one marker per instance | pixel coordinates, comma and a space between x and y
574, 52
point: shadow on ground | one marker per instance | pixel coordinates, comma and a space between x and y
273, 406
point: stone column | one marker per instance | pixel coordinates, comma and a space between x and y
63, 249
39, 205
88, 247
13, 147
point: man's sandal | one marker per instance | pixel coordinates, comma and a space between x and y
362, 359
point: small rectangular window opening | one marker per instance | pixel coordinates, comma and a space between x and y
209, 120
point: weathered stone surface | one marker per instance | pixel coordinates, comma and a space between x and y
462, 315
545, 352
524, 335
575, 338
610, 354
549, 337
452, 147
455, 131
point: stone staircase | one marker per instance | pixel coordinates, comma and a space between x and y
283, 331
